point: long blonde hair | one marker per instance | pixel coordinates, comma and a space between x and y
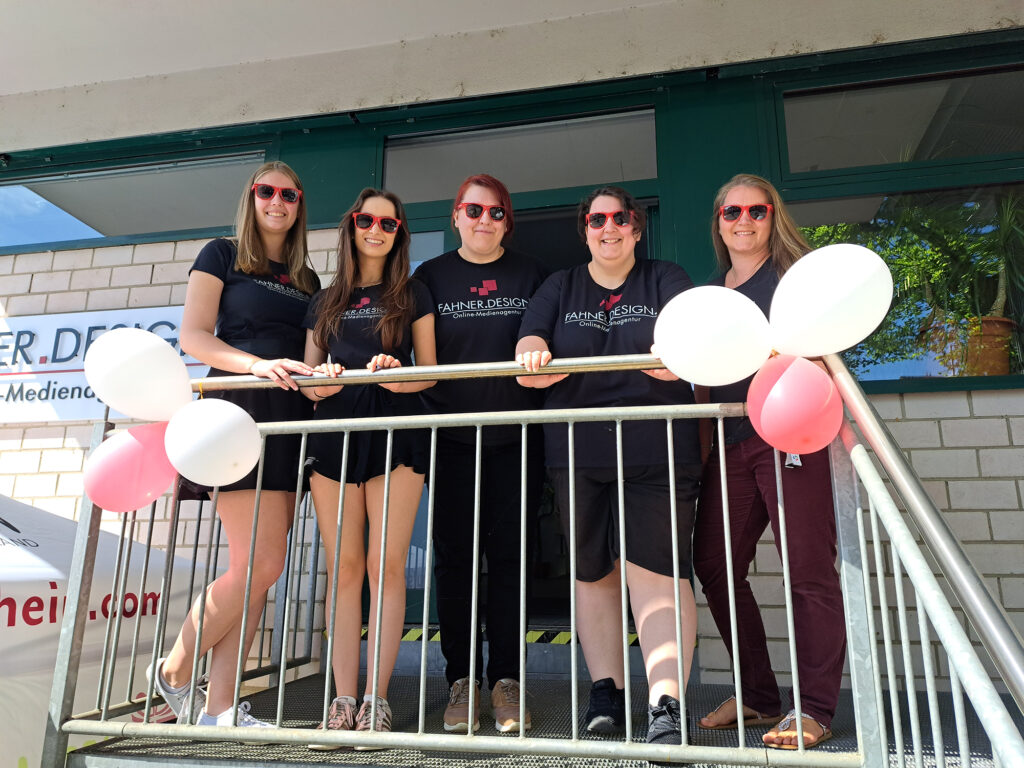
785, 244
252, 256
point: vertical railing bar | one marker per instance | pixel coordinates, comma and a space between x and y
165, 599
731, 582
240, 664
869, 615
886, 622
573, 652
289, 562
312, 564
335, 571
300, 533
787, 588
201, 618
620, 484
522, 582
960, 715
908, 660
195, 557
119, 600
422, 705
676, 576
475, 580
211, 565
115, 584
929, 682
380, 578
142, 597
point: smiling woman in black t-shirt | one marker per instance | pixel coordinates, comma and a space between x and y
243, 313
374, 316
480, 292
608, 307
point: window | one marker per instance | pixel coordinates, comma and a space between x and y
153, 198
957, 260
941, 118
585, 151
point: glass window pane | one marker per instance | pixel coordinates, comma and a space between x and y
910, 121
567, 153
956, 256
167, 197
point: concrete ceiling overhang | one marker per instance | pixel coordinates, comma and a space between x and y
73, 72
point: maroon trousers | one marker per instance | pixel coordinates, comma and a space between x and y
817, 598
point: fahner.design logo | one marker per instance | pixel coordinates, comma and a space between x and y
611, 301
4, 522
486, 287
362, 303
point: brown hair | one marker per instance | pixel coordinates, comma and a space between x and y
396, 300
627, 201
252, 256
785, 244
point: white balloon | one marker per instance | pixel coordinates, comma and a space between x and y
712, 336
137, 373
830, 300
212, 442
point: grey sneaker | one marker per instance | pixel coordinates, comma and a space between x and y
177, 699
340, 717
383, 724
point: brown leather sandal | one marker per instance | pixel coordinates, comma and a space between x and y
756, 719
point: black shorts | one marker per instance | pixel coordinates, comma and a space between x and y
647, 517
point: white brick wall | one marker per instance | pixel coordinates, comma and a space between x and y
968, 447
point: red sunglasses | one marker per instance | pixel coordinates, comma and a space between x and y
757, 211
267, 192
619, 218
387, 224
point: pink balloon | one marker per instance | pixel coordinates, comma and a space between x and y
130, 469
794, 405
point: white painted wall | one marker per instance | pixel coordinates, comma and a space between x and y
76, 72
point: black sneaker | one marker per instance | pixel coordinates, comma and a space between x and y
607, 710
663, 722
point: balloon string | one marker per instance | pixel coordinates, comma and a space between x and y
200, 390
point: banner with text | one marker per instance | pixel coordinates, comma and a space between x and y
42, 377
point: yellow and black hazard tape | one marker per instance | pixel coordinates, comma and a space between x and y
538, 636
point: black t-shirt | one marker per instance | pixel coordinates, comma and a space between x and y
357, 339
579, 318
261, 314
759, 288
478, 309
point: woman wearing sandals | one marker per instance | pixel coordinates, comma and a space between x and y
243, 314
756, 241
372, 316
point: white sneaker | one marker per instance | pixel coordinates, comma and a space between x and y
176, 698
245, 720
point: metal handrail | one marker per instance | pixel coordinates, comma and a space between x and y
999, 637
438, 372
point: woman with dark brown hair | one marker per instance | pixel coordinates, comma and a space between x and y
608, 306
756, 241
243, 314
374, 316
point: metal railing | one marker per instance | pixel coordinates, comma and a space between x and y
877, 673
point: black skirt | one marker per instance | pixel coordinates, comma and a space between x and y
367, 451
